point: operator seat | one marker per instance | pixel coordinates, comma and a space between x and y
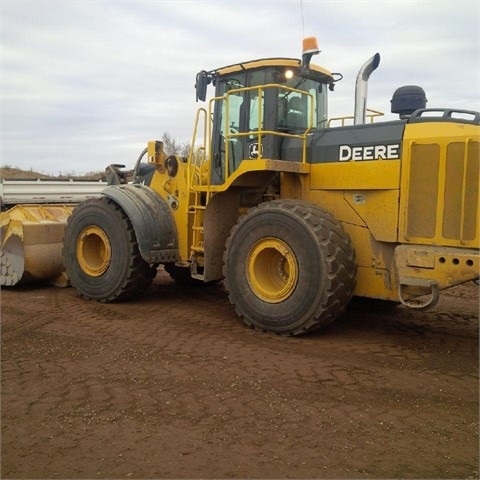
297, 114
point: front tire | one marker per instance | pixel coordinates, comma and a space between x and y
101, 253
289, 267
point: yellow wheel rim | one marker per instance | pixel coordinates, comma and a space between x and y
272, 270
94, 251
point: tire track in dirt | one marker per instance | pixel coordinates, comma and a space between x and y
176, 379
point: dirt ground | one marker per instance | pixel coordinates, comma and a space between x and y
174, 385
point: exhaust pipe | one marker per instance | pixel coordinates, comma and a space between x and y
361, 88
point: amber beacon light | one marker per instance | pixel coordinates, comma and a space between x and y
310, 48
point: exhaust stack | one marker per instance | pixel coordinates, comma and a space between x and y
361, 88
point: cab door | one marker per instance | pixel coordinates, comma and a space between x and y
228, 122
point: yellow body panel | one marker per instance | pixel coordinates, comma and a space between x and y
440, 178
381, 175
375, 202
176, 193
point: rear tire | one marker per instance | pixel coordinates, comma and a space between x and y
289, 267
101, 253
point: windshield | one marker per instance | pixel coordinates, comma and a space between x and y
295, 108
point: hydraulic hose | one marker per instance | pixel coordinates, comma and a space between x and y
137, 163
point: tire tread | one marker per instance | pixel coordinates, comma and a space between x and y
340, 261
139, 275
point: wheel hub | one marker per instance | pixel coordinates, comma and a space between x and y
93, 251
272, 270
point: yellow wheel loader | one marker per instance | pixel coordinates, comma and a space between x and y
296, 212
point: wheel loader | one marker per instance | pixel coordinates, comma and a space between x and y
296, 212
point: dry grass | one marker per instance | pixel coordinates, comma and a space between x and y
12, 173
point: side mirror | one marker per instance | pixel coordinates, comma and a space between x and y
201, 82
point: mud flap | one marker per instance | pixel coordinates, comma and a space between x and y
151, 219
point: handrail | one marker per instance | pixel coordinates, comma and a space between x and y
260, 132
454, 114
206, 147
371, 116
192, 163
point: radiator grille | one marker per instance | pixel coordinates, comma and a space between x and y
456, 176
423, 191
443, 192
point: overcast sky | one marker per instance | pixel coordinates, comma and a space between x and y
88, 83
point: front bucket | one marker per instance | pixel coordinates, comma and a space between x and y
31, 244
11, 254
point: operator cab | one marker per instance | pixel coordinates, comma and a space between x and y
259, 103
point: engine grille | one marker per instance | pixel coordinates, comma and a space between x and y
442, 193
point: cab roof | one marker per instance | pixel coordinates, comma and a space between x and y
268, 62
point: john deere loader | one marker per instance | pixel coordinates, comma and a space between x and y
296, 212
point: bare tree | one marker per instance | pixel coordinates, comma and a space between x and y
174, 147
